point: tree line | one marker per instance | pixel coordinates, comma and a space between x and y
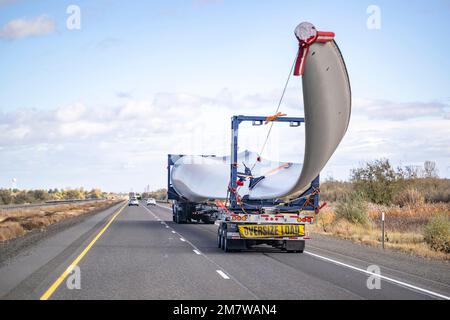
16, 196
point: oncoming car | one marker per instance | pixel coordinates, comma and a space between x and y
133, 202
151, 201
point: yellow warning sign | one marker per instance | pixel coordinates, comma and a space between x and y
271, 230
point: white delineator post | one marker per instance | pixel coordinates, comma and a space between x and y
382, 230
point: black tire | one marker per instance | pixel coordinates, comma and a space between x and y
174, 212
226, 243
219, 240
222, 240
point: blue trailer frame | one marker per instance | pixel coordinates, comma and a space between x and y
308, 201
303, 202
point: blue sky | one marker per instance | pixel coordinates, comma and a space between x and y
103, 105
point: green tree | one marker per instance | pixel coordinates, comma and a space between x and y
95, 194
5, 196
40, 195
22, 197
74, 194
377, 181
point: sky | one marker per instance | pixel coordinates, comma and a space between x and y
101, 103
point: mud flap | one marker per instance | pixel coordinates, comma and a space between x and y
295, 245
236, 244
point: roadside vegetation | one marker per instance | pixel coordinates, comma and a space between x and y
416, 203
160, 194
16, 196
17, 222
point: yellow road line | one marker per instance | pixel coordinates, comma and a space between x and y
75, 262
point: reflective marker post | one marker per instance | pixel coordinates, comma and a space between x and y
382, 230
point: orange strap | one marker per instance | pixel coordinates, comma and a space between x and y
274, 117
220, 204
286, 165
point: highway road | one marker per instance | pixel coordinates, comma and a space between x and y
139, 253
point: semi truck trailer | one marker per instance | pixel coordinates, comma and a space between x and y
255, 201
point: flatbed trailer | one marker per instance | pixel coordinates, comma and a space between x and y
243, 223
275, 223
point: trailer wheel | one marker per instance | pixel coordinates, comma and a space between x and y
219, 238
222, 240
174, 212
226, 243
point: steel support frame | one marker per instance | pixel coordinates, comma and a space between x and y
235, 122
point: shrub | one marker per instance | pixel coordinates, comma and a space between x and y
377, 181
159, 194
409, 197
334, 190
22, 197
353, 208
5, 196
437, 233
74, 194
326, 219
39, 195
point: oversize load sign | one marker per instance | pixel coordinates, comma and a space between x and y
271, 231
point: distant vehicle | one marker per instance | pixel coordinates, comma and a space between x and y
151, 201
133, 202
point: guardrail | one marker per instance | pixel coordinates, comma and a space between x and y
46, 204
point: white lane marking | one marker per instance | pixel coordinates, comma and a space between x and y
197, 252
384, 267
401, 283
182, 240
222, 274
215, 263
167, 227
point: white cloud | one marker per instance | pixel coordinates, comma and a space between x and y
381, 109
70, 113
24, 28
84, 129
126, 146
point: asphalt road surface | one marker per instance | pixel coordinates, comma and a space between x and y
139, 253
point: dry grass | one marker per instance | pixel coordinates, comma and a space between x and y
408, 197
404, 227
16, 223
410, 218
